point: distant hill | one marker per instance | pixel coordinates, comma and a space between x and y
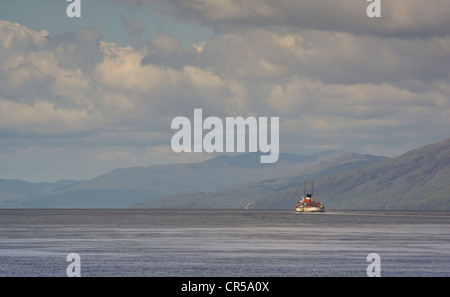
123, 187
418, 179
15, 192
267, 193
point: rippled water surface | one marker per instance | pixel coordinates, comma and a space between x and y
223, 242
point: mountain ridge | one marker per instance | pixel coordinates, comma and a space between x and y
415, 180
408, 181
158, 180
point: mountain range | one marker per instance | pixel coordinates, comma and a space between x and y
417, 179
121, 188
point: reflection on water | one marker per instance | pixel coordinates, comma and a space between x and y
223, 242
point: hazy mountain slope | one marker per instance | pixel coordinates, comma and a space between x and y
14, 192
259, 194
89, 199
206, 176
418, 179
141, 183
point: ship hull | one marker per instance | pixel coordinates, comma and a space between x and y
309, 209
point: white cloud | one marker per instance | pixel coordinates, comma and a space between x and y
15, 38
254, 71
42, 118
246, 72
334, 77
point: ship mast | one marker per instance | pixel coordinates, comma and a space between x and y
304, 187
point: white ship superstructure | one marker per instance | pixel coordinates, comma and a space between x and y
307, 203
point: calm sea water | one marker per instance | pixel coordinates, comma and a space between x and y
223, 243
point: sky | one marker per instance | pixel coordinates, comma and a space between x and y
80, 97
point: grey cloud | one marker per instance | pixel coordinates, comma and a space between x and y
79, 49
16, 39
164, 50
401, 18
26, 83
134, 28
333, 76
263, 55
345, 58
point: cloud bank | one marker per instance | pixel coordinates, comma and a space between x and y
336, 79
